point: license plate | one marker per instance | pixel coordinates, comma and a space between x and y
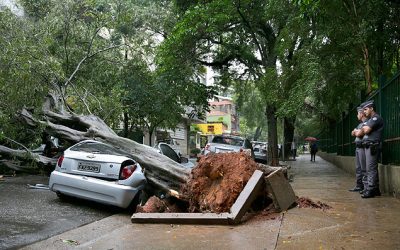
221, 150
89, 167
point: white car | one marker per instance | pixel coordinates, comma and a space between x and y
99, 172
260, 151
228, 143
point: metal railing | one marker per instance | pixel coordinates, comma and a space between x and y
338, 139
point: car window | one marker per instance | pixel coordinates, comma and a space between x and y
95, 147
228, 140
169, 152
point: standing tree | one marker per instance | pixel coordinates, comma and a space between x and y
242, 41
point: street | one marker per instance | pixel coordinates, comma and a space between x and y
29, 215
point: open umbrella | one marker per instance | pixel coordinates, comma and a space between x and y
310, 138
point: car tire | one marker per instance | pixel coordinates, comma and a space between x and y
61, 195
135, 202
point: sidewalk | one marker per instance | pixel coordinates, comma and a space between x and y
352, 223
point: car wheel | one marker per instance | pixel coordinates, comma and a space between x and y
135, 202
61, 196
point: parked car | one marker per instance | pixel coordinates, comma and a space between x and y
173, 144
167, 150
260, 151
228, 143
100, 172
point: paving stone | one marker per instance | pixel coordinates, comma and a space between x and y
181, 218
281, 190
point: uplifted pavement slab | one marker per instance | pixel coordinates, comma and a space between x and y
282, 192
182, 218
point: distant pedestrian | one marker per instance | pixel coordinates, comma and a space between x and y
293, 147
313, 150
360, 153
372, 142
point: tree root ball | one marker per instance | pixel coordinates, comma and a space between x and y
217, 181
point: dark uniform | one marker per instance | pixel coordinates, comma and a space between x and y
360, 162
372, 145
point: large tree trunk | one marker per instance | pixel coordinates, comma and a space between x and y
288, 132
162, 173
273, 157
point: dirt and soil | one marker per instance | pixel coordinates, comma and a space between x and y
156, 205
214, 186
217, 181
303, 202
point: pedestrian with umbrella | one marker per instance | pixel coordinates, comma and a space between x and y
313, 147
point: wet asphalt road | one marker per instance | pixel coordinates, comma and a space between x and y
29, 215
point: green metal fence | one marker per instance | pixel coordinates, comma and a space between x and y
338, 139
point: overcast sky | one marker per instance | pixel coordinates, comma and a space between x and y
11, 4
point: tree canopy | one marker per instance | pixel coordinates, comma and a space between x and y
140, 63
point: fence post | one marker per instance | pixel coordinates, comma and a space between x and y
381, 82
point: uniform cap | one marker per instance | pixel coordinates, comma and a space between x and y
359, 109
367, 104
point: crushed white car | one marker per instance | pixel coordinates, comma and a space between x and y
99, 172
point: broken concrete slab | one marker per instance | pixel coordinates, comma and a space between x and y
246, 197
281, 190
181, 218
238, 209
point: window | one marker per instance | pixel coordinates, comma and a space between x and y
97, 148
169, 152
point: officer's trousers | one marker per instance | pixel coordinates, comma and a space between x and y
360, 168
371, 160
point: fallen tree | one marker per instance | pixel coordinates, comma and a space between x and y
163, 174
213, 186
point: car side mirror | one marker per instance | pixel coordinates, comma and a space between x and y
184, 160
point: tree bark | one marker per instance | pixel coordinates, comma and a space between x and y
273, 157
17, 160
288, 132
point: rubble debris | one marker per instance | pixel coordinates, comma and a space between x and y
304, 202
157, 205
38, 186
70, 242
268, 213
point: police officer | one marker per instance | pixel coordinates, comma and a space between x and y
360, 153
372, 132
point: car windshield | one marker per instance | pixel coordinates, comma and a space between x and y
228, 140
98, 148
